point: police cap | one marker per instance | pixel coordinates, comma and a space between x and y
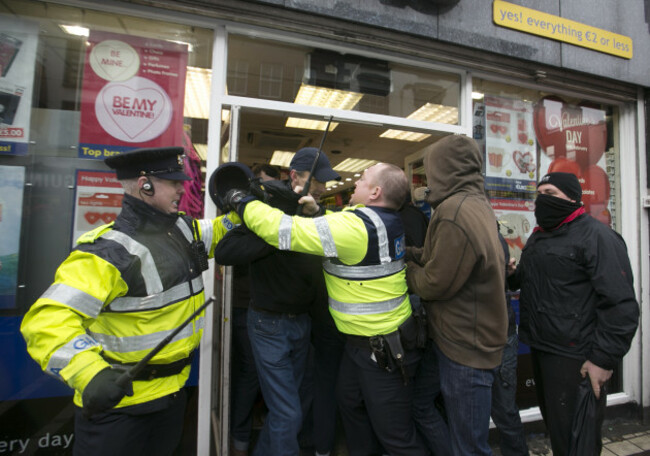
163, 162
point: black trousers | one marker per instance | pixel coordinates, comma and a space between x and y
376, 407
146, 429
556, 381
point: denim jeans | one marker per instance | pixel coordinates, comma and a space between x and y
318, 389
245, 384
280, 344
467, 393
428, 418
505, 412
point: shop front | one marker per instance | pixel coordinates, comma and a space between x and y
83, 80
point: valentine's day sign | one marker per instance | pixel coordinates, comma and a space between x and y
509, 140
98, 201
573, 139
132, 96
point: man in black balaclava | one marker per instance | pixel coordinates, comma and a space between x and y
578, 309
558, 197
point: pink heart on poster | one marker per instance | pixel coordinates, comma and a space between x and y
148, 103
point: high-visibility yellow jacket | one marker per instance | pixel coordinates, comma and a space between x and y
364, 270
123, 288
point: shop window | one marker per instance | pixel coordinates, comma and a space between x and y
52, 88
525, 134
304, 75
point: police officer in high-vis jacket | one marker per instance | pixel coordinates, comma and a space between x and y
363, 246
123, 288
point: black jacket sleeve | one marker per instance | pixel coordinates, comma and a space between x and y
617, 311
241, 246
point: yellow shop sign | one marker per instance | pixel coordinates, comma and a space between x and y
557, 28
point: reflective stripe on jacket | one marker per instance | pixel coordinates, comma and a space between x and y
364, 273
122, 291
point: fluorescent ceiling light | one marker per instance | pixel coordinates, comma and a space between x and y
348, 179
436, 113
327, 98
477, 96
353, 165
404, 135
75, 30
197, 92
309, 124
281, 158
331, 184
323, 98
430, 112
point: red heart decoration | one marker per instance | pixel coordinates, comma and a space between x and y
595, 189
524, 162
91, 217
577, 132
564, 165
108, 217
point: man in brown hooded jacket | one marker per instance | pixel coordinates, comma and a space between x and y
459, 274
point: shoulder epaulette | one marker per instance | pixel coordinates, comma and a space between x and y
91, 236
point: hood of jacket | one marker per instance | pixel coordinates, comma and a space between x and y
453, 165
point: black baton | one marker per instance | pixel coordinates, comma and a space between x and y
128, 376
305, 189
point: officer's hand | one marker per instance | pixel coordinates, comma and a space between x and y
236, 199
309, 205
103, 393
597, 375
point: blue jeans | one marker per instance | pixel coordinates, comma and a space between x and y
428, 419
280, 344
505, 412
467, 393
245, 385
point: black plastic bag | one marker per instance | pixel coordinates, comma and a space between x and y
586, 439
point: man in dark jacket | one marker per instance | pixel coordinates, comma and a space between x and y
459, 274
285, 286
578, 309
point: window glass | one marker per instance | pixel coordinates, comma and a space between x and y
303, 75
49, 190
525, 134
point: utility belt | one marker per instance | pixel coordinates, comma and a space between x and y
388, 350
151, 371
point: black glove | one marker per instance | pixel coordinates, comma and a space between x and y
103, 393
236, 200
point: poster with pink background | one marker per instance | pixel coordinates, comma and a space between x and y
132, 94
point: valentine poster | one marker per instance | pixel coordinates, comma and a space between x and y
573, 139
18, 42
132, 94
12, 183
98, 201
516, 222
510, 146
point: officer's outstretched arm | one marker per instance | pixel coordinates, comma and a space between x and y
341, 234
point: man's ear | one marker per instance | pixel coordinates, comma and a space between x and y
292, 175
376, 193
